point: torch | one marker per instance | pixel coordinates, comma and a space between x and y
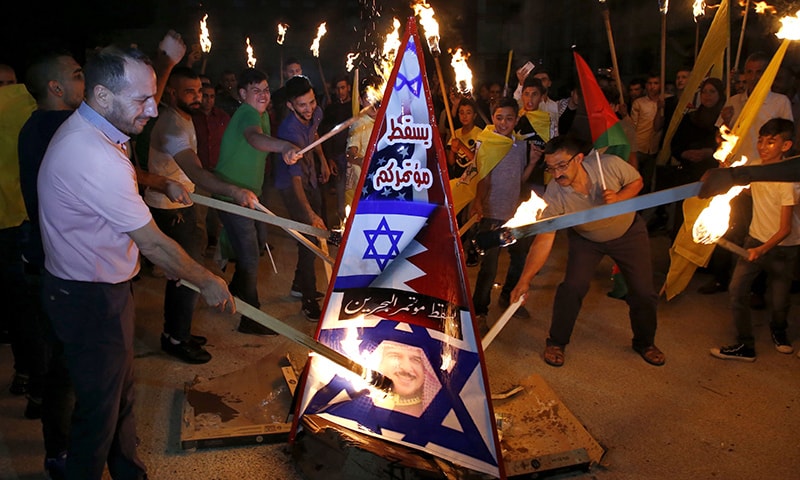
205, 42
741, 36
251, 59
356, 94
431, 27
508, 72
698, 10
373, 377
612, 48
663, 8
321, 31
282, 27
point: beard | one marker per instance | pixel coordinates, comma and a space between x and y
189, 108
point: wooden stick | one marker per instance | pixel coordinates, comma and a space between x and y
335, 130
741, 37
444, 96
508, 72
375, 378
663, 60
324, 83
501, 322
472, 220
323, 254
600, 168
613, 50
733, 248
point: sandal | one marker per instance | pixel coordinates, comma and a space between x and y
553, 355
651, 354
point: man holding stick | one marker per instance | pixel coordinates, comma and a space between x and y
94, 224
576, 186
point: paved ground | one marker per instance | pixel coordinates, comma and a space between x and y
694, 418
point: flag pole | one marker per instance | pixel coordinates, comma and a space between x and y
612, 49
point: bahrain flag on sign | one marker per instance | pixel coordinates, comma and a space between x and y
398, 302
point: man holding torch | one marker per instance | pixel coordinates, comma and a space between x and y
578, 185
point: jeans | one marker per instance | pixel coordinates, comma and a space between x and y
305, 277
243, 237
631, 252
482, 296
778, 263
95, 323
180, 224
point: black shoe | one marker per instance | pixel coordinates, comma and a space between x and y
33, 410
251, 327
198, 340
19, 385
781, 341
56, 467
739, 352
311, 310
186, 351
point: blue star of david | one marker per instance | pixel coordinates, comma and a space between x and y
393, 236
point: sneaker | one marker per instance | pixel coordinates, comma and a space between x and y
56, 467
198, 340
739, 352
251, 327
19, 384
311, 310
189, 352
782, 343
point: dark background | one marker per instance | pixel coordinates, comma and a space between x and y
537, 30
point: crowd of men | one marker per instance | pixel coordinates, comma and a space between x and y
109, 153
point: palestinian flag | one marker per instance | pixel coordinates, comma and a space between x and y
603, 122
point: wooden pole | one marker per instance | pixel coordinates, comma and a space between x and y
324, 83
375, 378
335, 130
444, 96
663, 59
501, 322
741, 37
508, 72
613, 50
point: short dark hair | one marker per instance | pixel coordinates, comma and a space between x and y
760, 57
107, 68
531, 81
468, 102
42, 70
504, 102
637, 81
291, 61
568, 143
297, 87
250, 76
182, 72
777, 126
342, 78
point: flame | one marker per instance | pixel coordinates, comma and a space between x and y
385, 63
351, 58
462, 71
714, 220
321, 31
663, 6
205, 40
698, 9
282, 27
431, 26
725, 149
763, 7
790, 28
528, 212
251, 59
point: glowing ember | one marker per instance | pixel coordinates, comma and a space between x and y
714, 220
463, 73
698, 9
385, 63
528, 212
663, 6
205, 40
763, 7
251, 59
321, 31
351, 58
282, 27
790, 28
431, 26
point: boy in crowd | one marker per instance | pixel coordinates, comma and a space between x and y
772, 246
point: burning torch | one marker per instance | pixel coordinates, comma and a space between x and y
321, 31
282, 27
251, 59
205, 42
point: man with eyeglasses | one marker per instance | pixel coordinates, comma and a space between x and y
582, 181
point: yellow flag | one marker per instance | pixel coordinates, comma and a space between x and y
711, 54
492, 147
16, 106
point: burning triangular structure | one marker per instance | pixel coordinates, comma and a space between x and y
399, 301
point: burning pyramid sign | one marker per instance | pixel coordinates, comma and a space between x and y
399, 302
